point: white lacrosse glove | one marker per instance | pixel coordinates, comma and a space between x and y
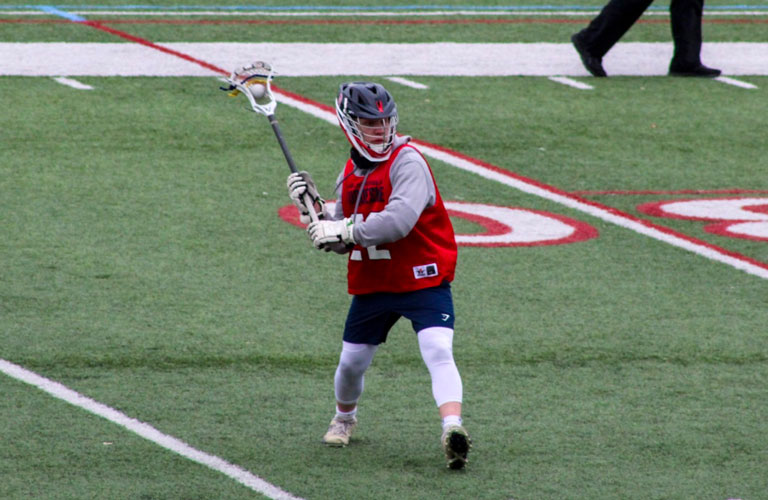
299, 183
327, 232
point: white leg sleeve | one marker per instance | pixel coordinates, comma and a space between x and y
348, 381
436, 344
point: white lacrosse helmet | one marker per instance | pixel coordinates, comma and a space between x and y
368, 116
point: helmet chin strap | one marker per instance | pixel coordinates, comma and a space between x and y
360, 161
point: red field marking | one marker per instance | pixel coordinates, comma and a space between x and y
147, 43
745, 218
709, 209
500, 232
738, 230
736, 21
502, 226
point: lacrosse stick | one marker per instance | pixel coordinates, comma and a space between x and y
255, 82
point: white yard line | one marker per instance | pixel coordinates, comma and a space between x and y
144, 430
571, 82
71, 82
735, 82
407, 82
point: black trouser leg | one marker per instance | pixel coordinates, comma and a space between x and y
610, 25
685, 18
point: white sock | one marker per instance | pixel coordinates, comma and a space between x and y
451, 420
346, 415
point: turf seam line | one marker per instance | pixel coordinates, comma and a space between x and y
144, 430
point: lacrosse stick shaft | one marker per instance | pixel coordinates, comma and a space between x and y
308, 202
283, 145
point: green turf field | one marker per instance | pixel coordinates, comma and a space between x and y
143, 264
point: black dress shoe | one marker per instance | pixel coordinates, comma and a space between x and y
593, 64
700, 70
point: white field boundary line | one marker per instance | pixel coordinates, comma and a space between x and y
71, 82
408, 83
602, 212
412, 61
735, 82
564, 80
144, 430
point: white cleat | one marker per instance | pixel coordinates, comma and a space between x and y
339, 432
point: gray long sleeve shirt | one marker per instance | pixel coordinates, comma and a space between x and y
413, 190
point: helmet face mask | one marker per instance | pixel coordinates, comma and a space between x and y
376, 135
368, 116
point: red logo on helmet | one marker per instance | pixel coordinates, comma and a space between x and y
380, 106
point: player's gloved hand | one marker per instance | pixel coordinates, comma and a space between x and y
299, 183
327, 232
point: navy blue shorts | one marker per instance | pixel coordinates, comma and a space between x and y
371, 316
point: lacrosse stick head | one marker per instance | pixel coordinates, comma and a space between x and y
255, 82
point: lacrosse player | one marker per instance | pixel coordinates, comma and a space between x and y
401, 248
